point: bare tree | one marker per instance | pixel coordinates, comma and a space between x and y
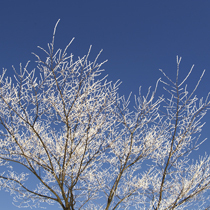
69, 131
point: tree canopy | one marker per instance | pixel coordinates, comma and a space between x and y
86, 147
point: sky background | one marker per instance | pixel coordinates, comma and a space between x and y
137, 37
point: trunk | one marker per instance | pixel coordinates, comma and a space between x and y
68, 208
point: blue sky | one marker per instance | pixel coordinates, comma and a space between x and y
138, 38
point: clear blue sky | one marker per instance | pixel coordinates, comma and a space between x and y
138, 37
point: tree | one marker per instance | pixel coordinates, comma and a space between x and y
71, 133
